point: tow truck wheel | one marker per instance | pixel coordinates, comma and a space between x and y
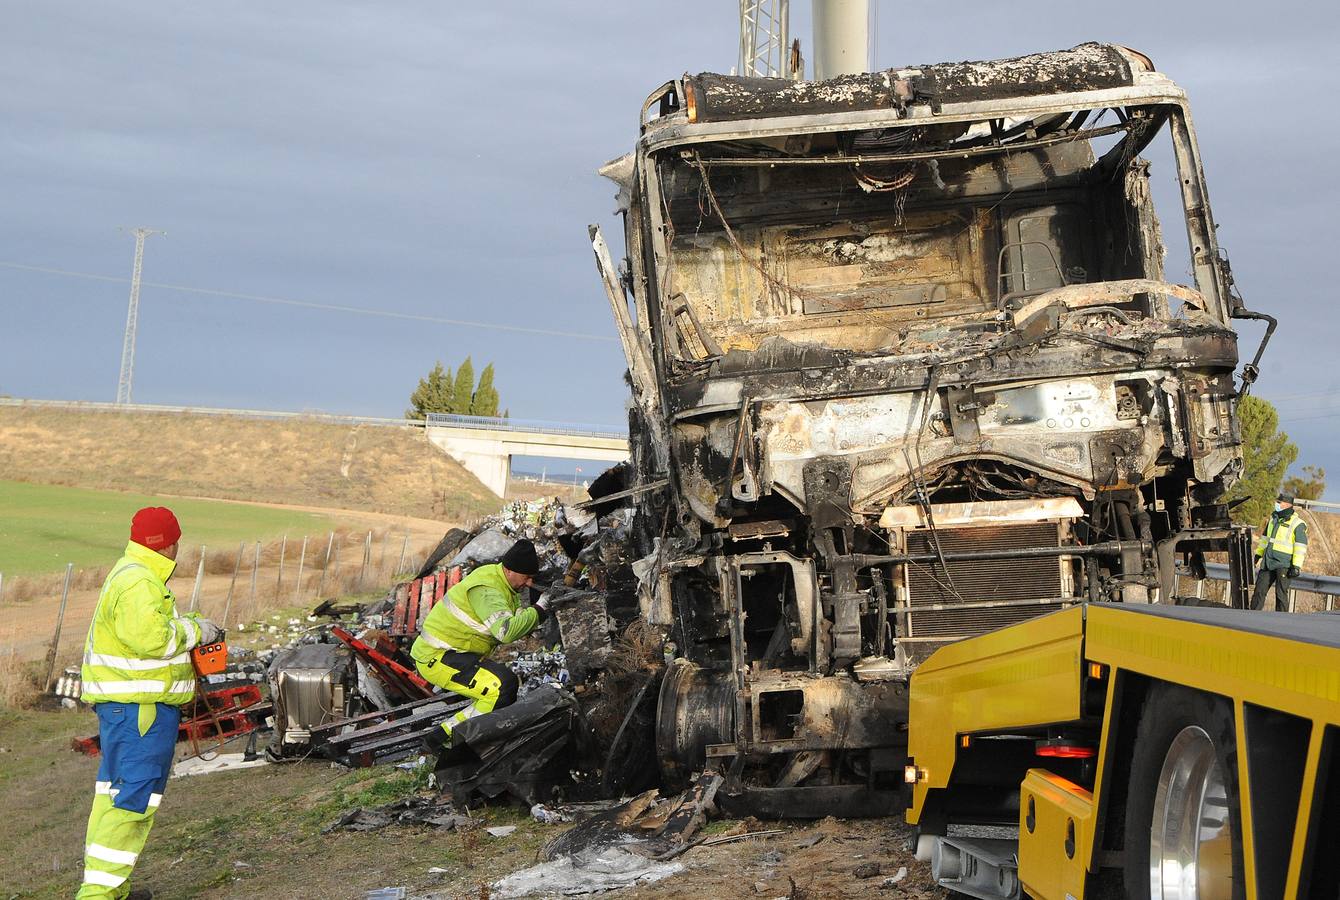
1183, 837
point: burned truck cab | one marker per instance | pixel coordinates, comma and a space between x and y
906, 367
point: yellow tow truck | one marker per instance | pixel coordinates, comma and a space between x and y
1146, 751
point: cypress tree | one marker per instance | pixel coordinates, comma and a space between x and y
464, 390
485, 400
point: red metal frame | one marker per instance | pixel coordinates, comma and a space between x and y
396, 676
230, 706
415, 599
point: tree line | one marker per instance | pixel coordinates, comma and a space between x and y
442, 392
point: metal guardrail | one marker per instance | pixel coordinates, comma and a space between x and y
1328, 585
444, 420
99, 406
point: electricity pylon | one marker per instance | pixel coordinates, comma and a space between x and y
763, 38
132, 317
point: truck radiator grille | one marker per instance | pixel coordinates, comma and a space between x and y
1017, 583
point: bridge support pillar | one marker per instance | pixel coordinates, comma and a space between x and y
486, 459
491, 468
487, 452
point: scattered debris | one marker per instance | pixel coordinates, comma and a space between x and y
501, 830
539, 667
386, 893
895, 878
865, 870
731, 838
585, 872
545, 816
647, 824
195, 765
430, 811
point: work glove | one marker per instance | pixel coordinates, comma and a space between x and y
557, 596
209, 632
1294, 571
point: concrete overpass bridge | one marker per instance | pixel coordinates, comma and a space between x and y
485, 446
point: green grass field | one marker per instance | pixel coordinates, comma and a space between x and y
43, 527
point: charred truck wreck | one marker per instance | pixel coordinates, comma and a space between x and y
905, 368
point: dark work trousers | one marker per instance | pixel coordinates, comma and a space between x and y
1264, 579
491, 685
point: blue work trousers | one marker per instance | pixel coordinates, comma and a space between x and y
138, 742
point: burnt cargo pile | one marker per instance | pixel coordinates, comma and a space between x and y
581, 727
905, 368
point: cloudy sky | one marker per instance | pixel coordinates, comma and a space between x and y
436, 161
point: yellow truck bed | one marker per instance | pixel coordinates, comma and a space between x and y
1077, 686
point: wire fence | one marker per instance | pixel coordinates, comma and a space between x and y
236, 587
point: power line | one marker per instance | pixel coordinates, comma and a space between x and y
1285, 420
309, 304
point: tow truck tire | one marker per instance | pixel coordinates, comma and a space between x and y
1183, 800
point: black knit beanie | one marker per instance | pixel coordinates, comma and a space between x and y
521, 558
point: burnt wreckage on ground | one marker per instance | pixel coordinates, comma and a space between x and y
905, 368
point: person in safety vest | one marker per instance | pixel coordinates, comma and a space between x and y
477, 614
1280, 553
137, 673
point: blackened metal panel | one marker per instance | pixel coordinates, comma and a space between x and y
1088, 67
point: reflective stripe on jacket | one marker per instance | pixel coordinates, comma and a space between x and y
138, 646
1284, 541
477, 614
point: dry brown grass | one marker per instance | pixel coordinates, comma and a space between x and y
26, 588
297, 462
19, 678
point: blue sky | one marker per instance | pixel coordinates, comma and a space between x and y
437, 160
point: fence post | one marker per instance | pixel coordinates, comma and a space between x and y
321, 584
302, 560
279, 582
381, 560
55, 638
367, 558
2, 586
255, 564
404, 547
335, 576
199, 577
237, 564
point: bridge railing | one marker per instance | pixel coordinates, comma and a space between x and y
445, 420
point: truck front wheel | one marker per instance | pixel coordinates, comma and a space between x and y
1183, 835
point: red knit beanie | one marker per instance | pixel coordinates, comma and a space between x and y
155, 527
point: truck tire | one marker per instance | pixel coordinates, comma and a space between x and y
1183, 834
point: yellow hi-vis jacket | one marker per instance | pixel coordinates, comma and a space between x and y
138, 647
477, 614
1284, 541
